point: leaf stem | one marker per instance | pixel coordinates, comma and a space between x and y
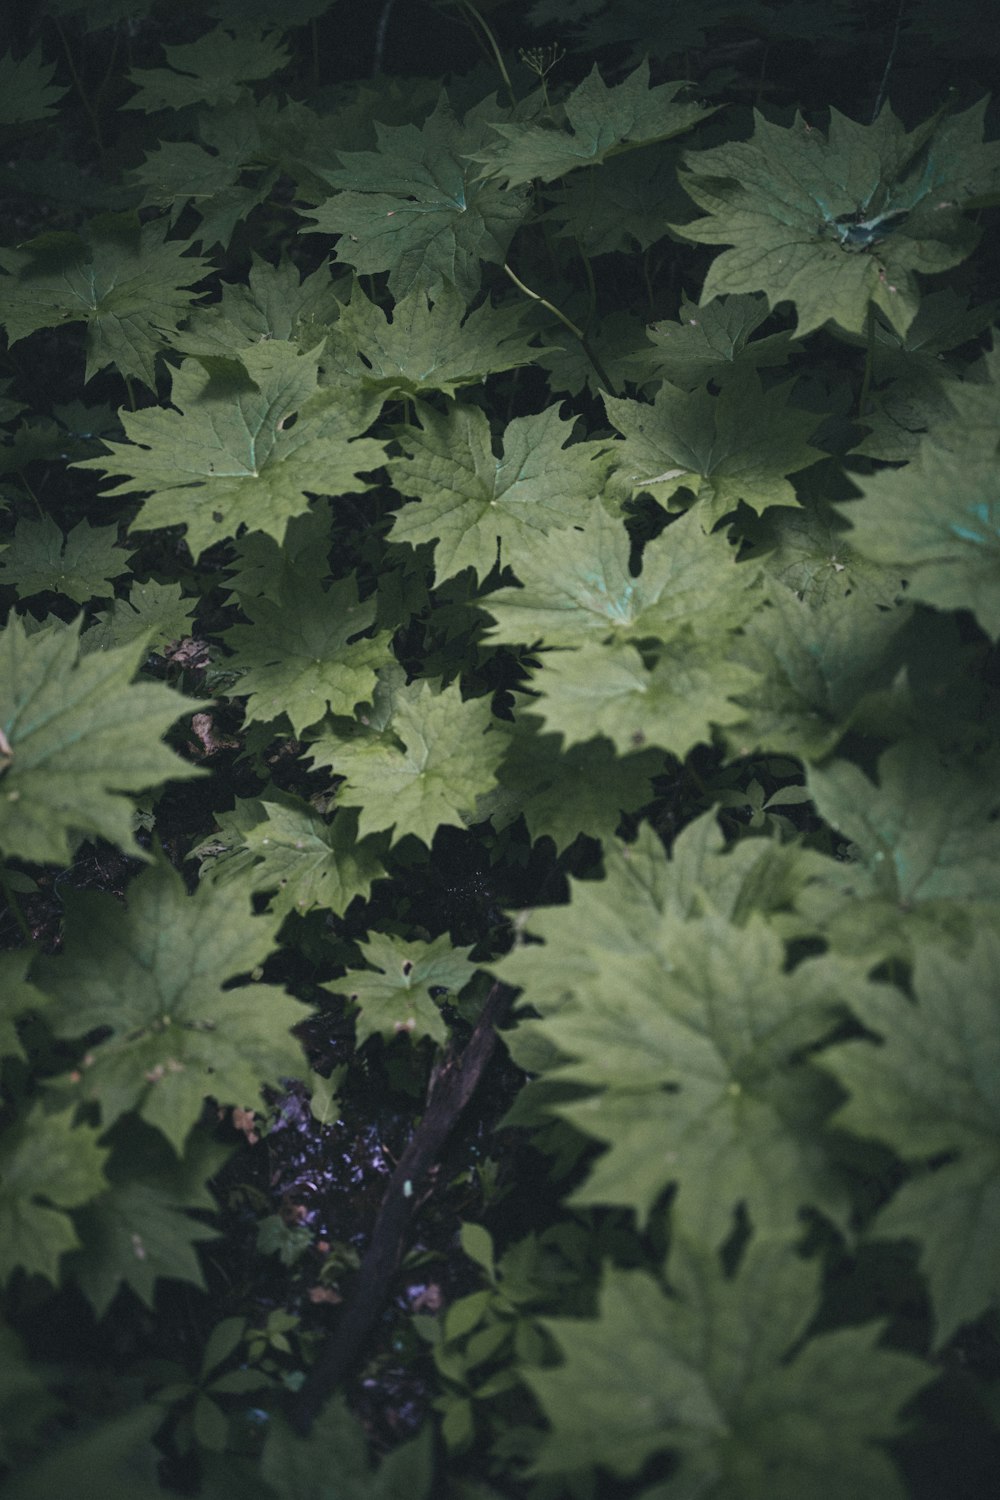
579, 333
88, 108
471, 10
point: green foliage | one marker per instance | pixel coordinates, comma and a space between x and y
78, 733
126, 281
230, 445
710, 1376
475, 581
841, 223
154, 974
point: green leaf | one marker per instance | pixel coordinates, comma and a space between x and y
624, 205
928, 830
929, 1088
287, 849
26, 89
839, 223
230, 455
81, 734
938, 522
578, 586
17, 997
476, 504
416, 208
706, 1374
47, 1165
402, 996
608, 690
562, 793
80, 565
426, 346
157, 612
126, 282
306, 653
224, 178
140, 1230
273, 303
815, 664
602, 122
428, 768
809, 552
739, 445
705, 343
209, 71
154, 973
692, 1041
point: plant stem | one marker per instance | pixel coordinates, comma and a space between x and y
471, 10
88, 108
579, 333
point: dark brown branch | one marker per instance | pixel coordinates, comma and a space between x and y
452, 1088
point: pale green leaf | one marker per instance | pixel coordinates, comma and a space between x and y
578, 586
809, 552
841, 222
608, 690
938, 522
692, 1043
928, 830
478, 505
230, 455
739, 445
704, 343
602, 122
930, 1087
158, 612
81, 734
706, 1374
426, 345
306, 653
154, 972
815, 664
273, 303
429, 767
291, 851
565, 792
416, 208
399, 993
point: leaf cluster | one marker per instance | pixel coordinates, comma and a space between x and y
533, 523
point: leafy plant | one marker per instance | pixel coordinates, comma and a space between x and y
513, 543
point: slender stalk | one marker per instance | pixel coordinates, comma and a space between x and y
579, 333
471, 10
88, 108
